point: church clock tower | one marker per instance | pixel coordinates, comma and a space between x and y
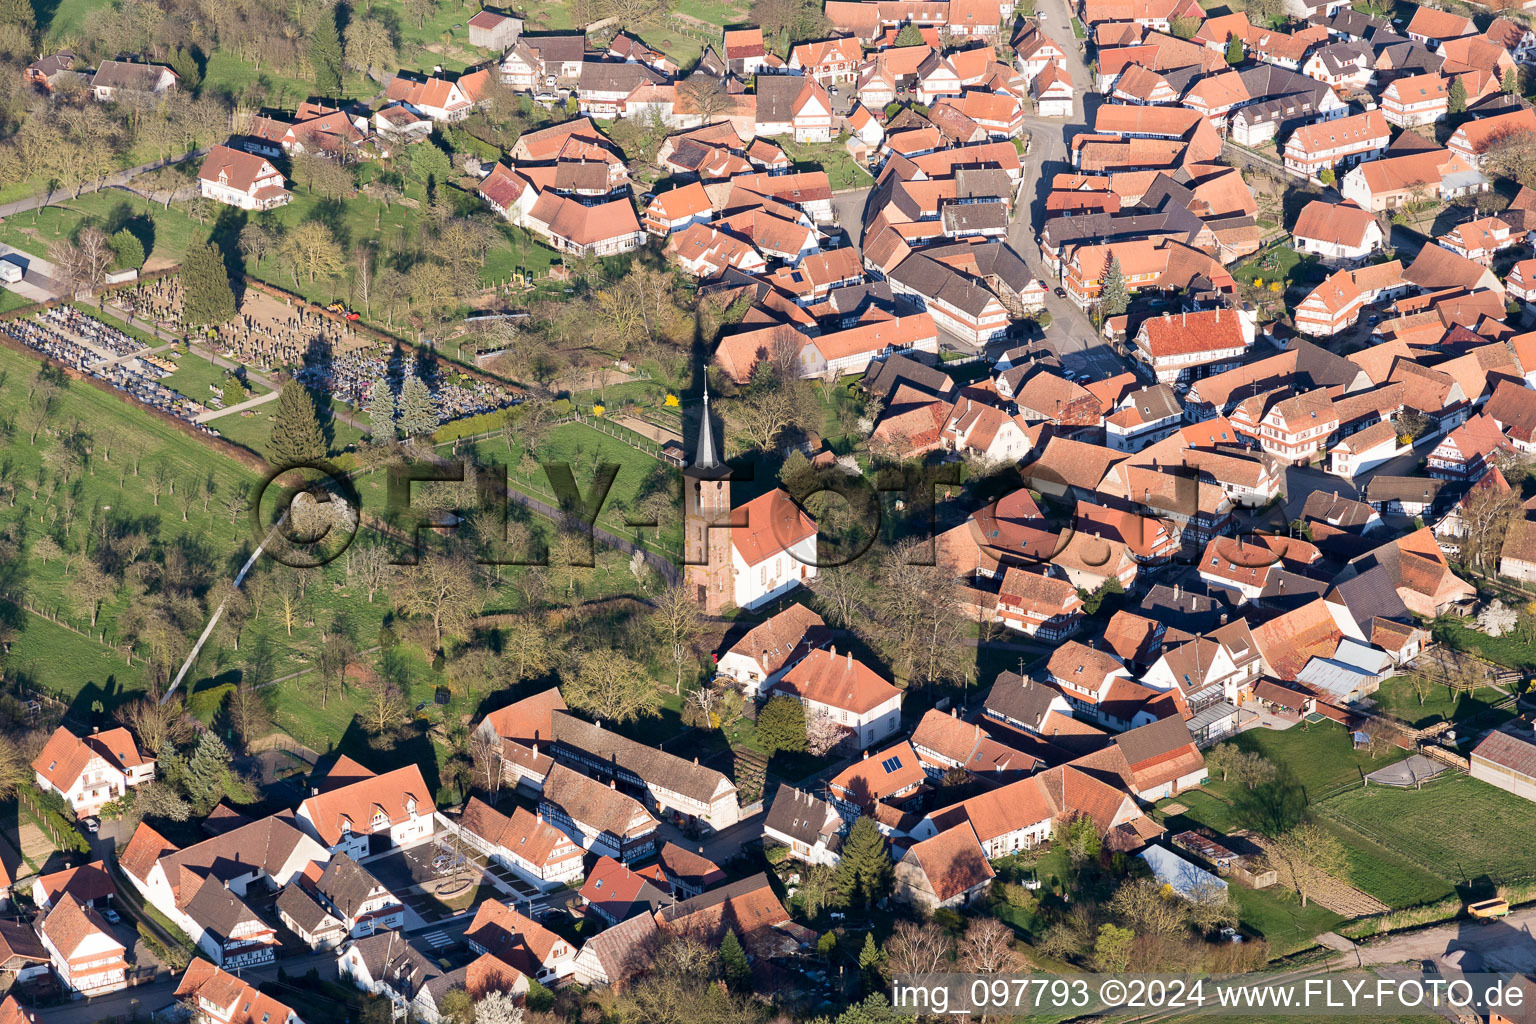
706, 523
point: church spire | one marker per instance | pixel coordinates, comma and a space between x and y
706, 457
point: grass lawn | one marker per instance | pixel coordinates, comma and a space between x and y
197, 378
1278, 915
1459, 828
1319, 755
104, 488
9, 300
1201, 809
171, 231
1386, 874
831, 157
1397, 697
1503, 650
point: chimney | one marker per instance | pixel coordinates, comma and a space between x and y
850, 659
1176, 590
696, 760
613, 784
1223, 622
866, 756
954, 712
832, 650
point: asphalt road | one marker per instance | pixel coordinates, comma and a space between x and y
1071, 332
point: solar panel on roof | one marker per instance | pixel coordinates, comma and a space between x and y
890, 764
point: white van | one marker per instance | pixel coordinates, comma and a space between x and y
10, 271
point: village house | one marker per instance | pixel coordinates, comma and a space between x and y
744, 51
1471, 141
603, 229
202, 888
886, 777
1039, 605
1343, 142
356, 898
759, 659
240, 179
546, 61
691, 795
1416, 100
1337, 233
521, 942
91, 771
864, 707
1506, 760
1178, 348
115, 77
524, 732
393, 809
86, 957
1478, 240
1294, 428
808, 826
225, 999
614, 892
47, 72
303, 914
437, 97
829, 62
597, 817
677, 209
88, 883
1467, 452
385, 964
1343, 296
947, 870
523, 842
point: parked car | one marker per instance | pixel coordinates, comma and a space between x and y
1061, 293
111, 916
92, 825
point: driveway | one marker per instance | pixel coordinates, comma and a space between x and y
37, 282
1506, 945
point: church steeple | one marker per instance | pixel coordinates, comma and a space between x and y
706, 457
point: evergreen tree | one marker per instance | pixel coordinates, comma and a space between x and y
20, 14
1113, 298
864, 872
1511, 80
209, 300
381, 413
207, 772
1458, 96
418, 413
781, 726
910, 35
733, 959
325, 55
185, 65
296, 435
870, 956
128, 250
1234, 50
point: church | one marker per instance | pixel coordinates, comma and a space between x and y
745, 556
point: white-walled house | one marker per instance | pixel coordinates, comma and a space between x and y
760, 658
773, 548
202, 888
396, 806
222, 998
523, 842
809, 826
91, 771
850, 693
240, 179
85, 956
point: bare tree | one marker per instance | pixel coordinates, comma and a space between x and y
917, 949
677, 626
